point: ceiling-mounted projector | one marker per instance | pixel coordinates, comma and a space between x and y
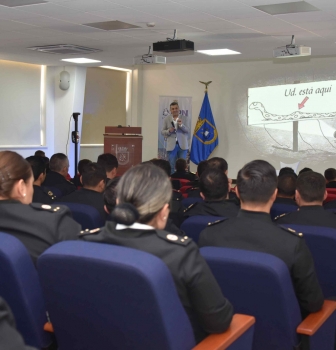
149, 58
174, 45
292, 50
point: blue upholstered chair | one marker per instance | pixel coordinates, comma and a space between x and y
259, 284
280, 208
194, 225
21, 289
101, 296
84, 214
322, 244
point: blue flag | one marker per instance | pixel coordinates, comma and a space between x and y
205, 138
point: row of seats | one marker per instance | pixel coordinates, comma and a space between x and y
102, 296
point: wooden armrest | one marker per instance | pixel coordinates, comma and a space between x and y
315, 320
239, 325
48, 327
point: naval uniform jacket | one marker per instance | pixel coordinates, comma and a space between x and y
57, 180
208, 310
43, 195
89, 197
37, 226
10, 338
255, 231
225, 208
311, 215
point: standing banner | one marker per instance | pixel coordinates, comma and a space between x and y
185, 115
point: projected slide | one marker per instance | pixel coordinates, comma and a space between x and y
289, 103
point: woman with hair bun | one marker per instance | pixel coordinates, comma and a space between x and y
139, 219
37, 226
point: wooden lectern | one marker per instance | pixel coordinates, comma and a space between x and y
126, 144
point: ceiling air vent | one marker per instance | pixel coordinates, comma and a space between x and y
64, 49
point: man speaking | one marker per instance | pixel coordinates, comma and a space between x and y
176, 134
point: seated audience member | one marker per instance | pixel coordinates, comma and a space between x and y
81, 164
110, 195
309, 195
39, 153
330, 177
10, 338
41, 194
221, 164
195, 191
286, 189
46, 162
59, 166
144, 194
286, 170
93, 179
305, 170
110, 164
214, 191
37, 226
181, 171
254, 230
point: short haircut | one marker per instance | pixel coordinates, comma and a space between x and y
92, 174
218, 163
286, 170
82, 163
163, 164
304, 170
256, 182
39, 153
214, 184
287, 184
58, 161
174, 103
110, 194
108, 161
330, 174
38, 165
202, 165
311, 186
180, 164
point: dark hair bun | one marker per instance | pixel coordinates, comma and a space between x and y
126, 214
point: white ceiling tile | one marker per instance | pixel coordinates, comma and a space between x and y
12, 25
241, 12
315, 16
318, 25
48, 9
218, 26
89, 5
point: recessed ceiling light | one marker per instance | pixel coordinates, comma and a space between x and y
219, 52
116, 68
79, 60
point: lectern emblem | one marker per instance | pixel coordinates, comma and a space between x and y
122, 155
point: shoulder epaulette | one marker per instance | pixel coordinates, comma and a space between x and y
70, 182
87, 232
280, 216
49, 193
216, 222
190, 206
177, 191
293, 232
169, 237
46, 207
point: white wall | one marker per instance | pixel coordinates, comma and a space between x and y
238, 143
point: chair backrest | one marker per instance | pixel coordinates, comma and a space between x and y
194, 225
188, 201
258, 284
21, 289
331, 190
56, 191
185, 188
280, 208
102, 296
84, 214
330, 197
321, 242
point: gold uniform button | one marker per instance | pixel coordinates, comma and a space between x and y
172, 237
45, 206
